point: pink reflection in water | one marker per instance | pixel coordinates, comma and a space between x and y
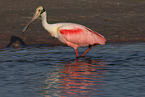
77, 79
82, 78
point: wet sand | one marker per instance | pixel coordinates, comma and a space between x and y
117, 20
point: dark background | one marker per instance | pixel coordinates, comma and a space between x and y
117, 20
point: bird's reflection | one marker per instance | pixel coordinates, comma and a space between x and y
76, 79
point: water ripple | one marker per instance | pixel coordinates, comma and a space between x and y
115, 70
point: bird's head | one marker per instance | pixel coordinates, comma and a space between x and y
38, 12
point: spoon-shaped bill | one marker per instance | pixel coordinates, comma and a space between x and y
26, 27
36, 15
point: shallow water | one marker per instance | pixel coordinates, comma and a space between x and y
113, 70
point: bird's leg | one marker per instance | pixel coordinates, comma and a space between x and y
77, 55
90, 46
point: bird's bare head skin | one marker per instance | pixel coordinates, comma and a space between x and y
38, 12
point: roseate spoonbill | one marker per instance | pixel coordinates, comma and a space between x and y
74, 35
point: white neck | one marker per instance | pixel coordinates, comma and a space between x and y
44, 20
51, 28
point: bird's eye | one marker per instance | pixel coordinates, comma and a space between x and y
39, 10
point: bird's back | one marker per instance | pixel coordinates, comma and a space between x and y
79, 34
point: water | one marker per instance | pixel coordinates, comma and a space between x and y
113, 70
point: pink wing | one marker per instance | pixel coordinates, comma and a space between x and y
80, 35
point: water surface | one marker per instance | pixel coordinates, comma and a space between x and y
113, 70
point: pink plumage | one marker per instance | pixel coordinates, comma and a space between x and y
70, 31
76, 35
80, 36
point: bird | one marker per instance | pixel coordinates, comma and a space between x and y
73, 34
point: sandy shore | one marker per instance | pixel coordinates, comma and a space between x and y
117, 20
